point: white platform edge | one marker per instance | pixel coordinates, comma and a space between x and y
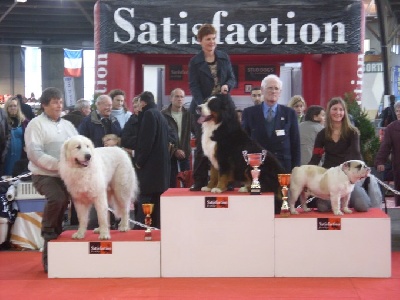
305, 253
128, 259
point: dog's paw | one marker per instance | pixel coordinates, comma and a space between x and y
205, 189
123, 228
216, 190
294, 212
78, 235
347, 210
96, 230
306, 209
337, 213
104, 236
243, 189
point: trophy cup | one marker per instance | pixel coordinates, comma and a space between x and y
147, 210
284, 181
255, 160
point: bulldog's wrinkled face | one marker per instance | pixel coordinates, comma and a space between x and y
356, 170
78, 151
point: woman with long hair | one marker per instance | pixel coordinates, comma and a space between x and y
340, 142
17, 123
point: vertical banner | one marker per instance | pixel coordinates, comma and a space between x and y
72, 63
396, 81
69, 92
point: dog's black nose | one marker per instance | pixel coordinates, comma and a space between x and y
88, 156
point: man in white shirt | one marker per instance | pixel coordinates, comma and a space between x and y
44, 137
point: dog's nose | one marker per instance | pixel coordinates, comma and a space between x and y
88, 156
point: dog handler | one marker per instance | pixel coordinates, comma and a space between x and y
340, 142
210, 73
44, 137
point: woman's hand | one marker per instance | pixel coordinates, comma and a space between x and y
224, 89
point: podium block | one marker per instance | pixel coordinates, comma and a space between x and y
125, 255
360, 248
216, 235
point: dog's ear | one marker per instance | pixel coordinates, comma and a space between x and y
346, 166
64, 150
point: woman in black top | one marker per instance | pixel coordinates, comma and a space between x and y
339, 141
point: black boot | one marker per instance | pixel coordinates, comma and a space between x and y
44, 256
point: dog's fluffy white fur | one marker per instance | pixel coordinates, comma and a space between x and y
98, 176
334, 184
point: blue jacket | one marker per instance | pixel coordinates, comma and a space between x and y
286, 145
92, 128
201, 82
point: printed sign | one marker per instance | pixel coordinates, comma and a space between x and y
258, 73
263, 27
176, 72
100, 247
216, 202
329, 224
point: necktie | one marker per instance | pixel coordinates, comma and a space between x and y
270, 116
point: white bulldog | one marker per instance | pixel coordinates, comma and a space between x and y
334, 184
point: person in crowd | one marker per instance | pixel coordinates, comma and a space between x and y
118, 107
389, 113
273, 125
314, 122
239, 113
131, 129
152, 159
210, 72
181, 122
100, 122
25, 108
298, 103
4, 133
256, 95
17, 124
391, 146
340, 142
135, 105
81, 110
44, 137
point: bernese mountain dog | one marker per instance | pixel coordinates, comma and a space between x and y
223, 142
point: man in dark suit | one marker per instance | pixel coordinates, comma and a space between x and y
152, 160
273, 125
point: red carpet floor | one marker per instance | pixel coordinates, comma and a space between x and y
22, 277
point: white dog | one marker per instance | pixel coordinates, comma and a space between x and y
93, 175
334, 184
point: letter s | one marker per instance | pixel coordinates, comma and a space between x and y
124, 24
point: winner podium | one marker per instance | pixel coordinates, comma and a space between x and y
216, 235
232, 235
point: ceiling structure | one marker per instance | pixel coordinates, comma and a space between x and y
63, 23
47, 23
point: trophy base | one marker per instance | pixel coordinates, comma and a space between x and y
285, 213
147, 235
255, 191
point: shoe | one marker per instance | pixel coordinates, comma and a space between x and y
196, 187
